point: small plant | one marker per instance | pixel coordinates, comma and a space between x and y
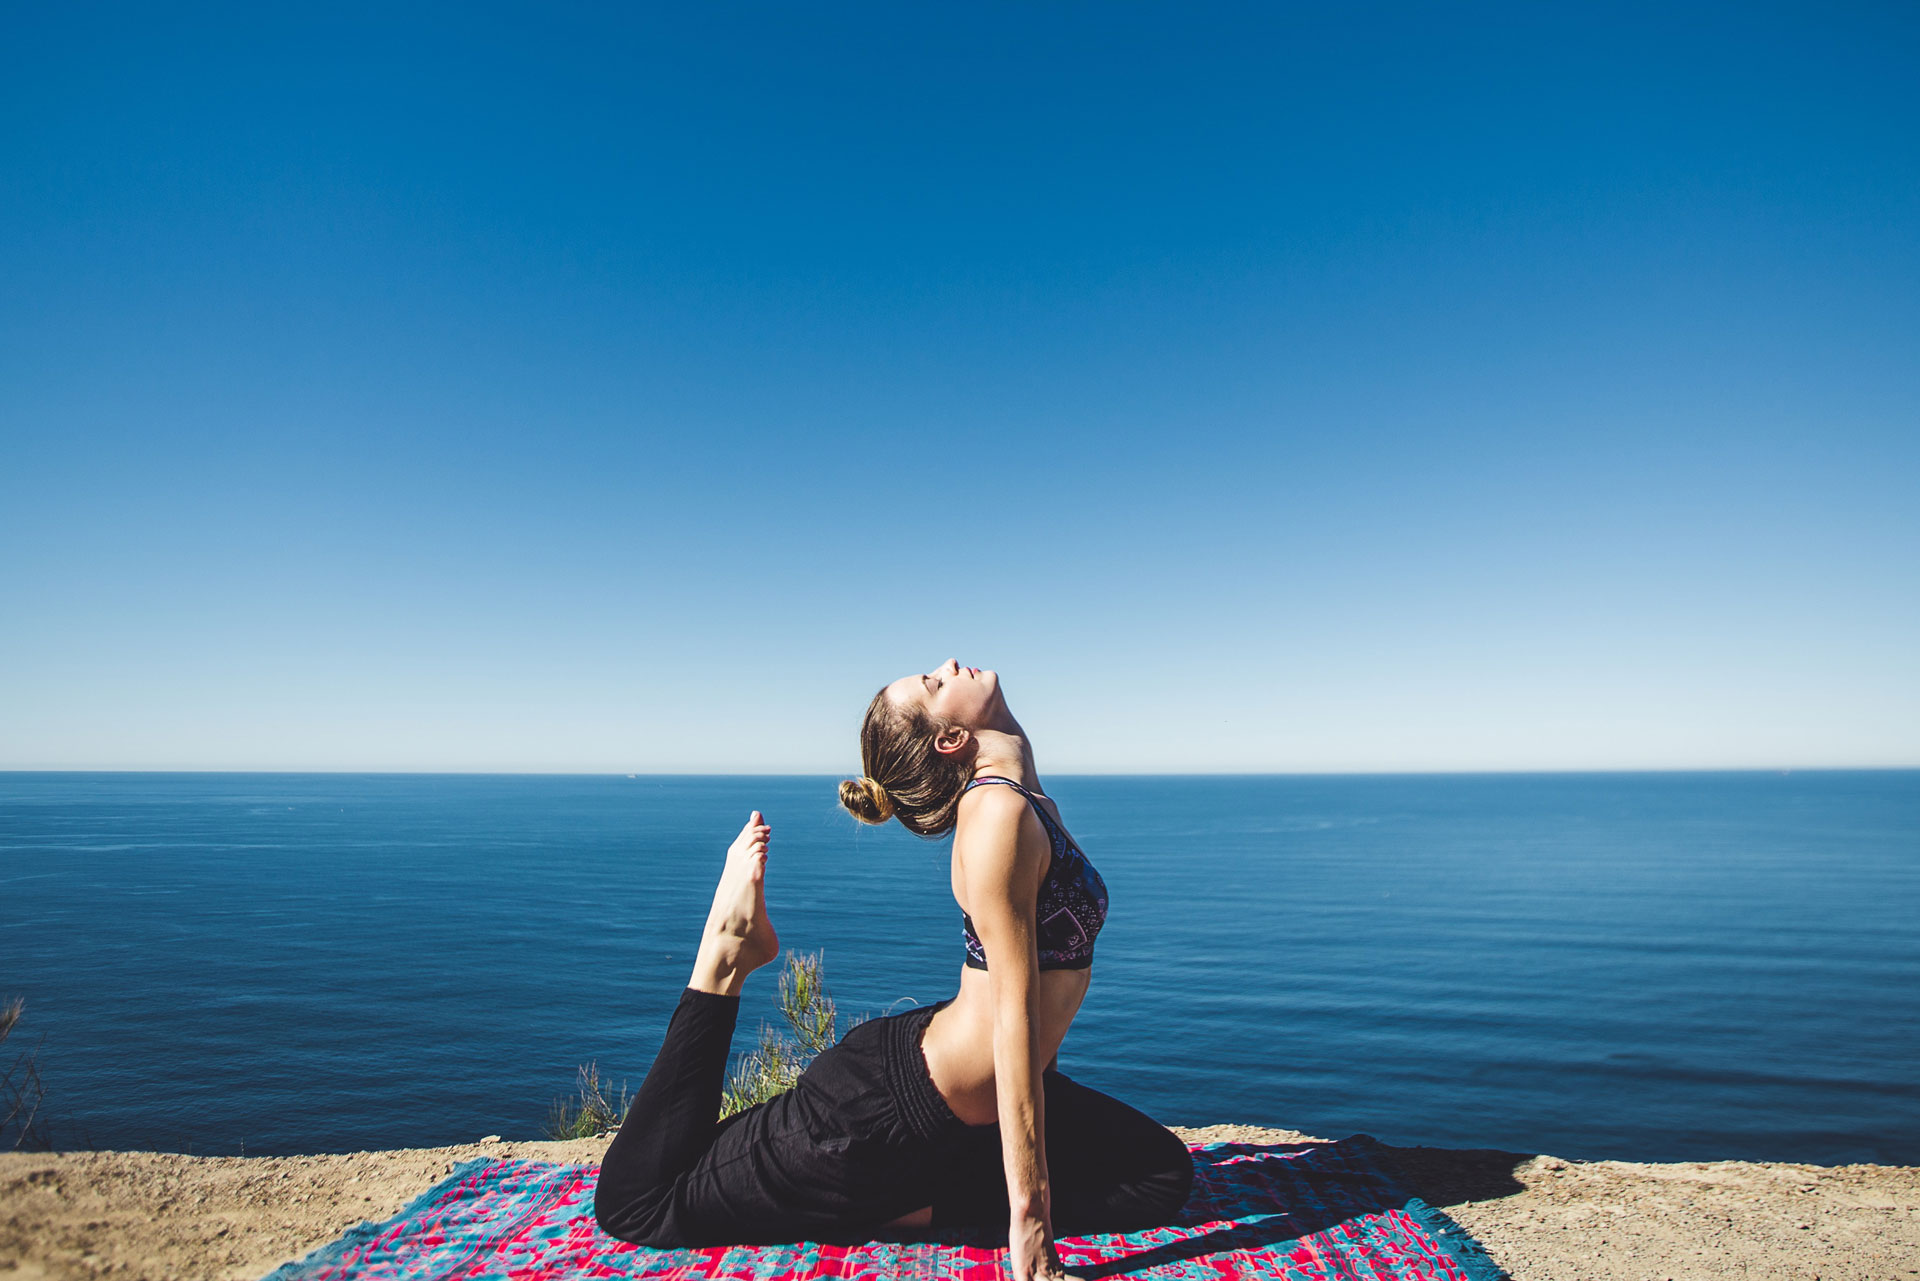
589, 1111
762, 1072
806, 1003
21, 1091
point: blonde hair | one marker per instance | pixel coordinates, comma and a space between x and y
866, 800
906, 776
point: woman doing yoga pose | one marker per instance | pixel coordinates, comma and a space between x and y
952, 1114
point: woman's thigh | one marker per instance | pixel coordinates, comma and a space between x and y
1111, 1167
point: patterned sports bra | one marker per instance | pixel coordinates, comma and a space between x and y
1073, 899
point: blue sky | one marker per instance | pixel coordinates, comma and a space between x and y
1259, 388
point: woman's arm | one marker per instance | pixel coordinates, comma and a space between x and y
1002, 889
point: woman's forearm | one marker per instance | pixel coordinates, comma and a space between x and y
1020, 1102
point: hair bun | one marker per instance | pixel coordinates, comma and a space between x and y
866, 800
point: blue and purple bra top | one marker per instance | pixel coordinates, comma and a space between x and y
1073, 898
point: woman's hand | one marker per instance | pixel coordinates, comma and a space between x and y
1030, 1250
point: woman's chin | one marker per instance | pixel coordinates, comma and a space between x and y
997, 709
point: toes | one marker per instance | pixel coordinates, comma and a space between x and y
755, 834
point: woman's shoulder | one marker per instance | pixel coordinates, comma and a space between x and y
993, 803
998, 815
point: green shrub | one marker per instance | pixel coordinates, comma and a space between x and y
776, 1063
589, 1111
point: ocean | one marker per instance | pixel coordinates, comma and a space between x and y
1666, 966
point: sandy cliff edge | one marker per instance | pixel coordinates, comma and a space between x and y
163, 1216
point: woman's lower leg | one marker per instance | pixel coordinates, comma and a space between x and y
675, 1115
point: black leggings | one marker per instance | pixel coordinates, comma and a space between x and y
860, 1140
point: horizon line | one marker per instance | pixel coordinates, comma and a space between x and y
1491, 771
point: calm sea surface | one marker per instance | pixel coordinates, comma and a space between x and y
1659, 966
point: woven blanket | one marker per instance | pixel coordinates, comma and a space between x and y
1298, 1212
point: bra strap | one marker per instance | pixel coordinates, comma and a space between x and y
995, 778
1054, 830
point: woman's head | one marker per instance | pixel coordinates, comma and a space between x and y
917, 746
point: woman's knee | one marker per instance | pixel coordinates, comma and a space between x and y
1163, 1190
1145, 1188
1177, 1184
637, 1221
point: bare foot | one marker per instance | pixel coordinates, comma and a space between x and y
739, 938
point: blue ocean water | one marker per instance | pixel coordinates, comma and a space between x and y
1655, 967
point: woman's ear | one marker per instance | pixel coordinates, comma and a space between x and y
952, 740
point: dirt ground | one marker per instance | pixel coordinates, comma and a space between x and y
161, 1216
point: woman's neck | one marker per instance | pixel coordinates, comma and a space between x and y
1006, 754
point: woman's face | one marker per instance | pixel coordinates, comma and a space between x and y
952, 694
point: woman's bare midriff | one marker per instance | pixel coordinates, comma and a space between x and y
959, 1038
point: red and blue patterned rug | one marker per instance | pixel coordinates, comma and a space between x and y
1293, 1212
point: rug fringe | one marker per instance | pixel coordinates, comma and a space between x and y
1467, 1253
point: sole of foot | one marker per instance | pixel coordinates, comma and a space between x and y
739, 938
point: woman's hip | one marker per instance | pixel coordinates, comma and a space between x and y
874, 1085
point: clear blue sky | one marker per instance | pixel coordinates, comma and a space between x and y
1259, 388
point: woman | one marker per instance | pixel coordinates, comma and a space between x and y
953, 1114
